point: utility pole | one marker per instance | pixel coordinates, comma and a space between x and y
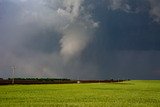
13, 73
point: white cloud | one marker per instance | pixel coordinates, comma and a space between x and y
73, 42
77, 33
73, 7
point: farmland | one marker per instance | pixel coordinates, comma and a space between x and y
135, 93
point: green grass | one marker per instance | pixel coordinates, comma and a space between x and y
126, 94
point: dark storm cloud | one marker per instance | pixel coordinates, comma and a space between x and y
127, 43
85, 39
126, 64
134, 29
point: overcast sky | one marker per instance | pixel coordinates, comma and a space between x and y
85, 39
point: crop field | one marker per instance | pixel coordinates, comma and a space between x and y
125, 94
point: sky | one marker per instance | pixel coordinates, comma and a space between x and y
80, 39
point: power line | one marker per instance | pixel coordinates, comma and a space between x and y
13, 73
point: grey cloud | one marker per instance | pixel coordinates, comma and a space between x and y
44, 37
155, 10
136, 6
118, 4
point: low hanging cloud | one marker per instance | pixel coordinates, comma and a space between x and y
44, 37
77, 33
72, 43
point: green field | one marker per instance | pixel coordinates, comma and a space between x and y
125, 94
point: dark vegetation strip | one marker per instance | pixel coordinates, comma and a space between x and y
51, 81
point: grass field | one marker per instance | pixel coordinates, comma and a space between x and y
125, 94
